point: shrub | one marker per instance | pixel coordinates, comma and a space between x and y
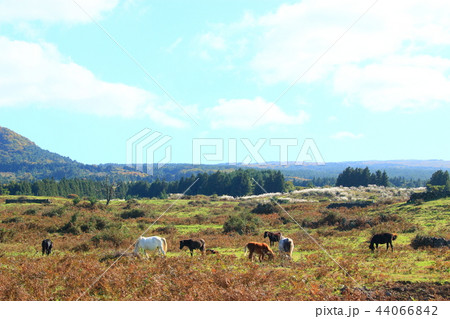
346, 225
169, 229
243, 223
13, 220
286, 220
330, 218
116, 236
428, 241
83, 247
95, 222
55, 212
131, 203
198, 202
135, 213
52, 229
71, 226
30, 212
92, 201
72, 196
6, 234
265, 209
76, 201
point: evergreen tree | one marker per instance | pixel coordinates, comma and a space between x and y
440, 178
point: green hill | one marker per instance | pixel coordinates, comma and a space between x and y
15, 148
21, 159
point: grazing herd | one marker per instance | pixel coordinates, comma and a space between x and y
285, 245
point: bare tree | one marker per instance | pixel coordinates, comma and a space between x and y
109, 187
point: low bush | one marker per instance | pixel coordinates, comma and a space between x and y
428, 241
115, 236
265, 209
83, 247
71, 226
76, 201
13, 220
59, 211
6, 235
30, 212
132, 202
168, 229
134, 213
243, 223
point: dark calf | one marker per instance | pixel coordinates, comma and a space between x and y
47, 246
193, 244
273, 237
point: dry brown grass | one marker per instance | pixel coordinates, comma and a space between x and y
77, 259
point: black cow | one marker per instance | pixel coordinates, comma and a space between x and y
385, 238
47, 246
193, 244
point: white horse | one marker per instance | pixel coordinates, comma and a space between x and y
151, 243
286, 247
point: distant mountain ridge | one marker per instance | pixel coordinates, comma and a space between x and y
21, 159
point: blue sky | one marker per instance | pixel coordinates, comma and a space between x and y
381, 92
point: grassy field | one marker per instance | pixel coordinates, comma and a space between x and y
87, 240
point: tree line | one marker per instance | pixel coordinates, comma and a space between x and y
437, 187
234, 183
362, 177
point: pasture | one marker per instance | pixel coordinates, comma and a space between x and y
87, 240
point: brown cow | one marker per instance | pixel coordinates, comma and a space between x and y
273, 237
260, 249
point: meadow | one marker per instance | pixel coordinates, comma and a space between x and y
88, 238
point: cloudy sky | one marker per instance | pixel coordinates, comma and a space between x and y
366, 80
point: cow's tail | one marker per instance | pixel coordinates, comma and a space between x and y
164, 244
291, 247
203, 245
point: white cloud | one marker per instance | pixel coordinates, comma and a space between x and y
242, 113
53, 10
396, 82
213, 41
346, 135
33, 74
387, 60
